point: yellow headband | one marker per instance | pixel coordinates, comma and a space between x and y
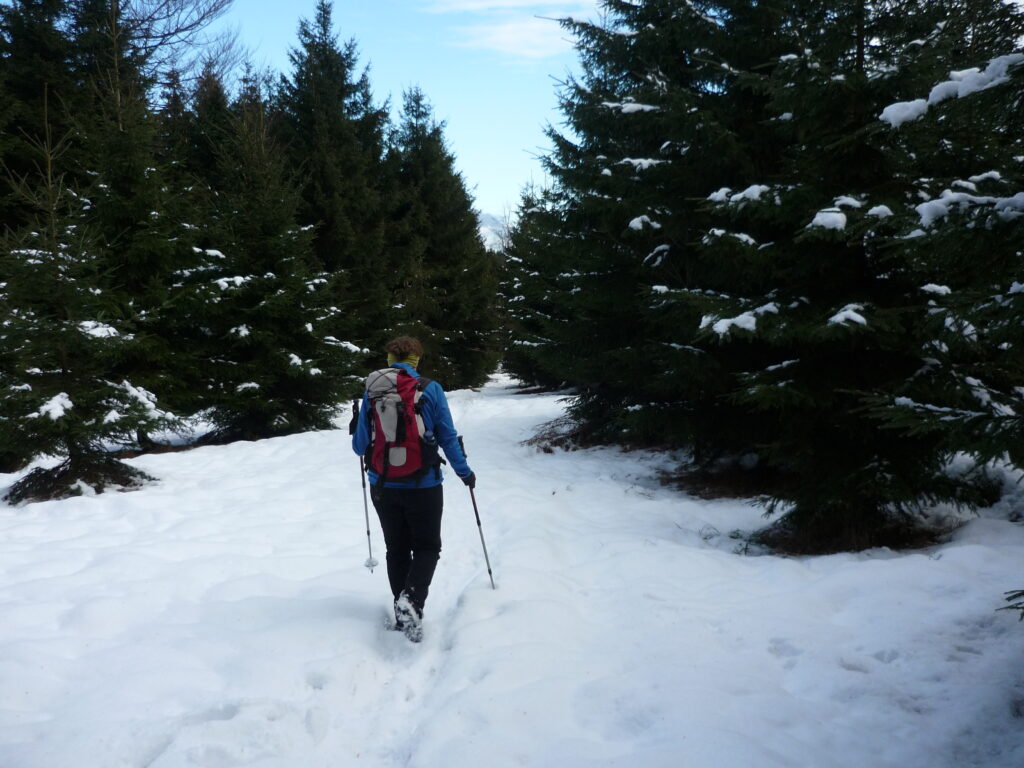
413, 360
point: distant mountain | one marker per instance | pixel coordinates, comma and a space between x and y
492, 231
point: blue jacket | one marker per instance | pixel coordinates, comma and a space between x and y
436, 418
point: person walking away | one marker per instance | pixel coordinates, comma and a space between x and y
403, 421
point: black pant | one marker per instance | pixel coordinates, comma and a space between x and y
411, 521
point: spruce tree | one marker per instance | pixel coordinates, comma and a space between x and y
35, 81
447, 280
962, 233
61, 345
655, 127
35, 52
132, 209
266, 361
532, 298
720, 220
837, 316
334, 132
208, 128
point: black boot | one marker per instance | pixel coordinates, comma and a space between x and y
409, 618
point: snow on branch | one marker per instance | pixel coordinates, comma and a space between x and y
629, 107
751, 193
851, 313
97, 329
55, 407
960, 84
641, 164
747, 321
830, 218
714, 234
640, 222
657, 256
1007, 208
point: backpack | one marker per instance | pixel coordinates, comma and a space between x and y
400, 447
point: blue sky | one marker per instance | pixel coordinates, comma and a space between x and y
488, 66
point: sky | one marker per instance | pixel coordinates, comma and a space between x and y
489, 67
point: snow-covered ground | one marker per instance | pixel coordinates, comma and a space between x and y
223, 617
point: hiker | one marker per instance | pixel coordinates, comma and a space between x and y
403, 421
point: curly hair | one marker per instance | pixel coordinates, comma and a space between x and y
403, 347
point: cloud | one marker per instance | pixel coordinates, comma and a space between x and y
530, 37
519, 28
481, 6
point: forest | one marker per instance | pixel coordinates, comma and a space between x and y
787, 238
221, 241
781, 239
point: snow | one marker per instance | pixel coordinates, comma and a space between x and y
989, 176
753, 192
492, 231
848, 314
640, 222
904, 112
98, 329
960, 84
1007, 208
830, 218
881, 211
641, 163
630, 107
849, 202
939, 290
223, 617
657, 255
227, 282
145, 398
717, 233
55, 407
348, 345
984, 396
747, 321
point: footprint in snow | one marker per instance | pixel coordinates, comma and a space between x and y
317, 680
886, 657
782, 648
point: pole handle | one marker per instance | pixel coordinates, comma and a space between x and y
355, 418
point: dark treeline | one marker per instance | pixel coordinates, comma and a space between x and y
738, 256
174, 245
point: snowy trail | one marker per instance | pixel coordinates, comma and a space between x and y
223, 617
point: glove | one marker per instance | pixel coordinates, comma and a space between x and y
355, 418
469, 480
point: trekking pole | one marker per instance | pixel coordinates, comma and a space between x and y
370, 563
476, 511
482, 542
